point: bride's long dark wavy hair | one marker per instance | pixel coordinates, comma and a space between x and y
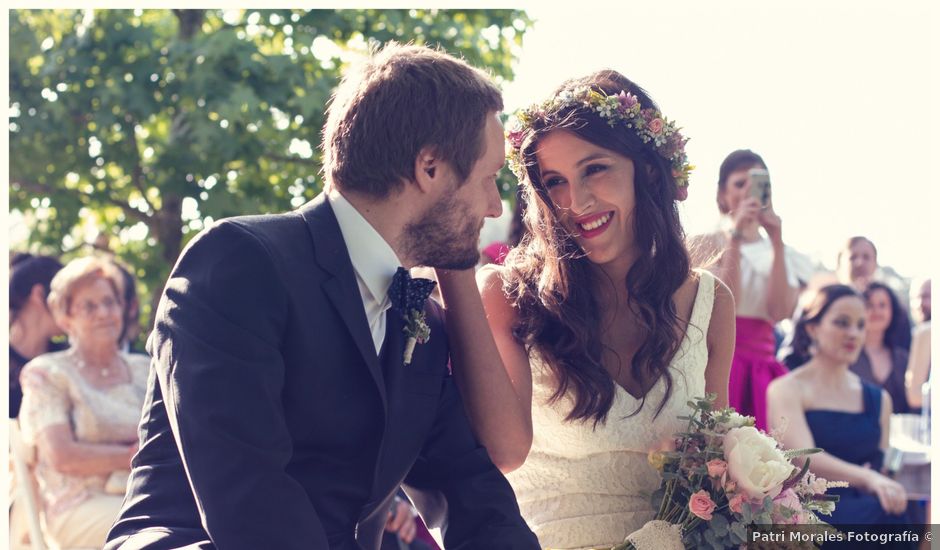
548, 277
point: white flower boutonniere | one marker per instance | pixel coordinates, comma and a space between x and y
417, 330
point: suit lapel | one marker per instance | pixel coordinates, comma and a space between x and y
341, 288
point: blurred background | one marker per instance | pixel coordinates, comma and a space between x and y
130, 130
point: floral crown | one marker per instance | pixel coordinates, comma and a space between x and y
624, 108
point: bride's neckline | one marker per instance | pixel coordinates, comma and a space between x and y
685, 337
648, 390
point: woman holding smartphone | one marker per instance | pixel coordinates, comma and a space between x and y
764, 275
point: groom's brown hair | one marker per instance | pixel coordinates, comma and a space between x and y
400, 100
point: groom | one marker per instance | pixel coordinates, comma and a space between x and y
292, 392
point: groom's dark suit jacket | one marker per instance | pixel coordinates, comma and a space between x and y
269, 421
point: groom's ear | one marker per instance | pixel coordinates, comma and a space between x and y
427, 169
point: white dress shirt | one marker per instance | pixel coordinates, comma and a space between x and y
373, 260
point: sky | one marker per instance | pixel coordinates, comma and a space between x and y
840, 99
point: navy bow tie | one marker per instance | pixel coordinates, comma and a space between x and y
407, 293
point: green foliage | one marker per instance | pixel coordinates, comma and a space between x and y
146, 125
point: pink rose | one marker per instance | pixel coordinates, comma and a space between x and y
656, 125
730, 486
515, 138
702, 505
716, 467
735, 503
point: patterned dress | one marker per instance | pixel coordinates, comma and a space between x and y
54, 392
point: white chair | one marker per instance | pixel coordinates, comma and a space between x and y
28, 496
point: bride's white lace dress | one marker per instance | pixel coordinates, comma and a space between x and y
587, 488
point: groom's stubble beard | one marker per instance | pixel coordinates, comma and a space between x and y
445, 236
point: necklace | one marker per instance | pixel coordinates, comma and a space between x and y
104, 371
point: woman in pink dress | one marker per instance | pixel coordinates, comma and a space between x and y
763, 273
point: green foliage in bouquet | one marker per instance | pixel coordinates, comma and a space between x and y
724, 476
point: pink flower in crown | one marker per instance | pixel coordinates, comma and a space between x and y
702, 505
626, 100
682, 193
515, 138
676, 143
716, 467
735, 503
656, 125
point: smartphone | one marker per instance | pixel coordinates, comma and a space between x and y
760, 185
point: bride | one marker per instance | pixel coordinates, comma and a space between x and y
589, 341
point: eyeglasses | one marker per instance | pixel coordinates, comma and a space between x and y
88, 308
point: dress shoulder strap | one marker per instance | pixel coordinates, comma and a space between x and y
871, 395
704, 299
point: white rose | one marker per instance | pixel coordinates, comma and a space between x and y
755, 463
736, 420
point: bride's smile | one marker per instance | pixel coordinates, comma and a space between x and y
592, 189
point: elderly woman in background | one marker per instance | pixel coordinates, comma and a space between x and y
883, 360
32, 326
81, 406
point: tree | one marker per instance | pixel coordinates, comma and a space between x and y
146, 125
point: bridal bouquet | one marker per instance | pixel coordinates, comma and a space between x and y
724, 476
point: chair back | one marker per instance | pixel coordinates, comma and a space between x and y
28, 494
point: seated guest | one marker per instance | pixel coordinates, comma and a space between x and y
824, 404
883, 360
32, 326
81, 406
